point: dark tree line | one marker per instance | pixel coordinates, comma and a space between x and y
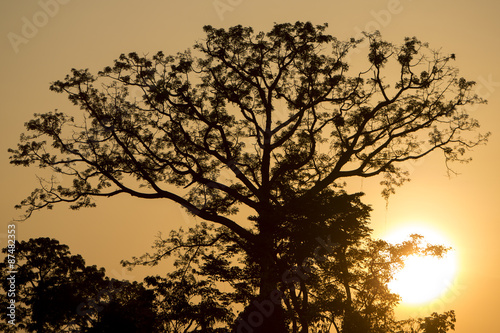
56, 292
274, 123
212, 281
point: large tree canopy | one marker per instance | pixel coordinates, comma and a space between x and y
271, 121
277, 110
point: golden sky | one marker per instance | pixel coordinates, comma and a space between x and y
42, 40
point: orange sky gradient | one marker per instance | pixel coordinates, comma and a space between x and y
42, 40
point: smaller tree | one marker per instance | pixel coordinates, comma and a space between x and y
186, 305
185, 302
352, 293
50, 284
57, 292
126, 307
435, 323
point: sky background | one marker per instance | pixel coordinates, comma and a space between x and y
42, 40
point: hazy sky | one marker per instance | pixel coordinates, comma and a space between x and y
42, 40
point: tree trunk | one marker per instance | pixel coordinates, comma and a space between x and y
265, 314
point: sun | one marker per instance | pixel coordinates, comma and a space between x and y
423, 278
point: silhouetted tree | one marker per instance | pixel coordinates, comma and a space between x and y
50, 284
56, 292
126, 307
435, 323
270, 121
187, 305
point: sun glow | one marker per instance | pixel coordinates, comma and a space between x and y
423, 278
